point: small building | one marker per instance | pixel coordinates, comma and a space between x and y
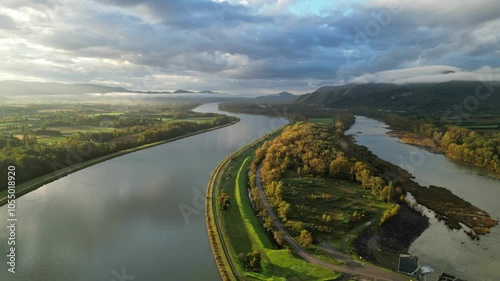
407, 264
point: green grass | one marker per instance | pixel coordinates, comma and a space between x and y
289, 266
320, 120
49, 140
71, 130
252, 224
234, 228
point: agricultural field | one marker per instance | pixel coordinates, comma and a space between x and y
35, 137
52, 123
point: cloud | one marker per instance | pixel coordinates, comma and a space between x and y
7, 22
242, 44
430, 74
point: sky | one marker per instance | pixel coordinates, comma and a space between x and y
247, 46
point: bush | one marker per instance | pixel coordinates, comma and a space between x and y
389, 214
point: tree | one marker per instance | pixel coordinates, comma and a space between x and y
340, 168
326, 217
387, 193
279, 237
284, 209
224, 200
305, 238
253, 261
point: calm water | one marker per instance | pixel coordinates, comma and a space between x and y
136, 217
439, 247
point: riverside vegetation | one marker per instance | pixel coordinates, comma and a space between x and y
477, 147
320, 190
42, 139
259, 250
324, 187
251, 247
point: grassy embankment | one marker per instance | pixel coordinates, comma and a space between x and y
38, 182
242, 231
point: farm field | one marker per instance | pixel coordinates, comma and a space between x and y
58, 122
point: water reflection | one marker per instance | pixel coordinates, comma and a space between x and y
124, 214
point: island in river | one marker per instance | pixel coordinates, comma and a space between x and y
444, 249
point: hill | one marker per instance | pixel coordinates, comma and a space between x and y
183, 92
416, 96
283, 97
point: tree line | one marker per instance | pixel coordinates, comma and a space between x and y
33, 160
479, 149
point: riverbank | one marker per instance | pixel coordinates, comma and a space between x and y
456, 212
461, 144
34, 184
219, 242
428, 144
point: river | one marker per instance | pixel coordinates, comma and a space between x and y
136, 217
445, 250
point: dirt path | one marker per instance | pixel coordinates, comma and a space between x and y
352, 267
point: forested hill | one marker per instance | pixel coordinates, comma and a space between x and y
428, 96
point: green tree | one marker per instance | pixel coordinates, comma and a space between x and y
253, 260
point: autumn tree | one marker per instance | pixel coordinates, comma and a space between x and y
224, 200
340, 168
305, 238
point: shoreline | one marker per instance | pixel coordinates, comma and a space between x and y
416, 140
222, 247
223, 260
31, 185
427, 144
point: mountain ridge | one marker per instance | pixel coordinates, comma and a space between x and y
414, 96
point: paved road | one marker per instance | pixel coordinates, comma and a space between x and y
363, 271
